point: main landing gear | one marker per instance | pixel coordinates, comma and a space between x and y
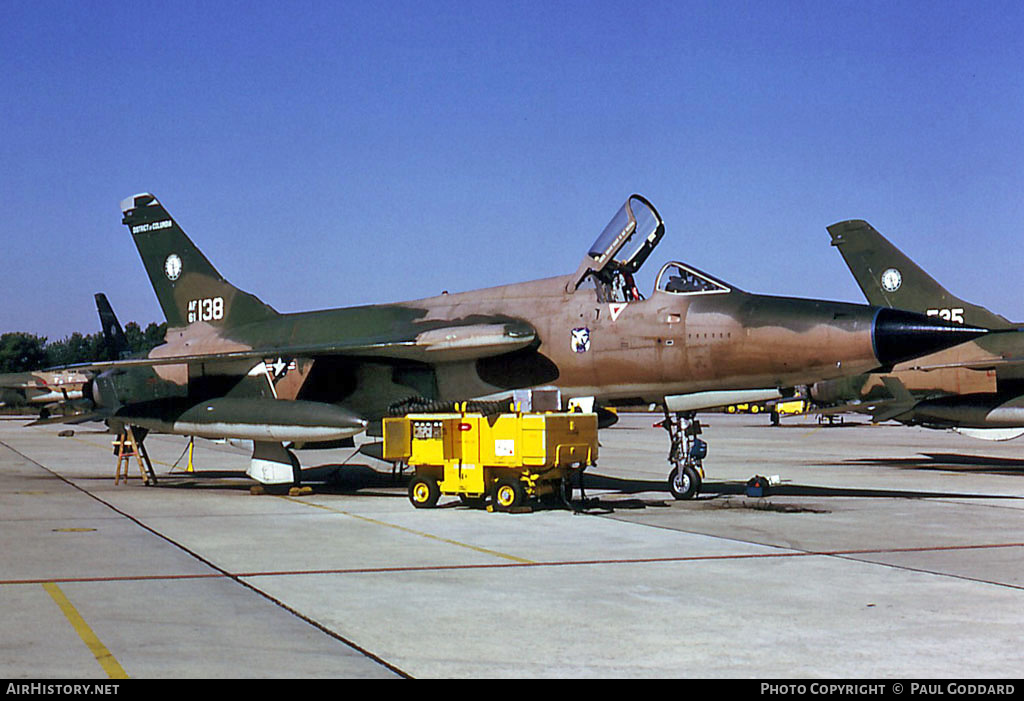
686, 451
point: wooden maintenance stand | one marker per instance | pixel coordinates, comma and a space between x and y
125, 448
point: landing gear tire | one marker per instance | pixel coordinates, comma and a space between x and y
685, 454
424, 492
684, 483
508, 494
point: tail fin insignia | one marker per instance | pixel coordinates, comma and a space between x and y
889, 278
188, 287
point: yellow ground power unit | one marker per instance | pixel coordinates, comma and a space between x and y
508, 457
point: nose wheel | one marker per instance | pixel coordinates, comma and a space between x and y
684, 482
686, 453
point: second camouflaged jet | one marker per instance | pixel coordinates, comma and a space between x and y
976, 388
60, 391
41, 389
233, 367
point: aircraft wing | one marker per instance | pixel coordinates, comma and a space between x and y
435, 345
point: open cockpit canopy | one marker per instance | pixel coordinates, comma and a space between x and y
629, 238
621, 249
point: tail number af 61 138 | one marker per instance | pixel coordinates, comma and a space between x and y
210, 309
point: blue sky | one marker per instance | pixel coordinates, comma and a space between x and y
329, 154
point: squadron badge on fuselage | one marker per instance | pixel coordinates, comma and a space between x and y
580, 340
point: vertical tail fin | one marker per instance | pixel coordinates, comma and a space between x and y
187, 285
888, 278
113, 335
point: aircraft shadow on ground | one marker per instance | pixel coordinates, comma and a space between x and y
712, 489
363, 480
950, 462
327, 479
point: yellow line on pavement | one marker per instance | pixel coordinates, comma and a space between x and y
102, 654
475, 548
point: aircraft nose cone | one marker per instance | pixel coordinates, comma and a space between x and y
900, 335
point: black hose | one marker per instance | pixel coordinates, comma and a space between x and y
420, 405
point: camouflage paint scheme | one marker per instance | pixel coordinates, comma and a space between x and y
590, 334
41, 387
978, 384
62, 391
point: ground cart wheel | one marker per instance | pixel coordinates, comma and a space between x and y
508, 494
424, 492
684, 483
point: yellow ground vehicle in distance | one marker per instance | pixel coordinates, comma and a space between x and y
792, 406
744, 409
507, 457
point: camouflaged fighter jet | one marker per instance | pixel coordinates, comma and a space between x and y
976, 388
41, 388
60, 391
233, 367
77, 407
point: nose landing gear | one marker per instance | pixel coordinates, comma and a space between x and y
686, 451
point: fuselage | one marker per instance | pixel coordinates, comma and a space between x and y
642, 350
671, 343
964, 386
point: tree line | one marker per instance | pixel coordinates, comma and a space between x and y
20, 351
